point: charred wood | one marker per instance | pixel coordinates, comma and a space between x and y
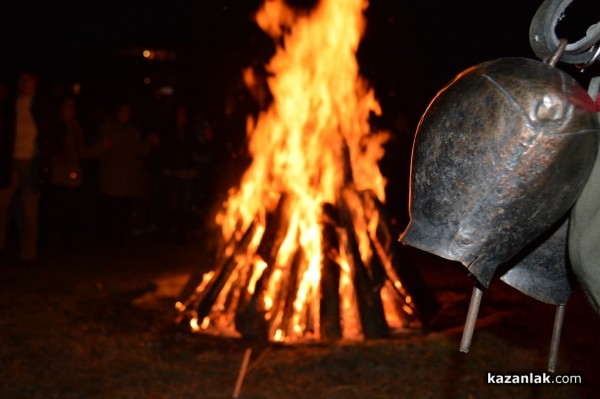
370, 306
329, 310
250, 317
376, 268
277, 223
292, 290
400, 265
196, 278
216, 284
348, 177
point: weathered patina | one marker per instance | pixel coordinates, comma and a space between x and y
500, 156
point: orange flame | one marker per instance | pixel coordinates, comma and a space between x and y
306, 144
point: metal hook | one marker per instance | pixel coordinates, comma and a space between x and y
562, 45
596, 51
543, 39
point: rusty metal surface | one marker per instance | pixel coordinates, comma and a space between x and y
541, 272
500, 155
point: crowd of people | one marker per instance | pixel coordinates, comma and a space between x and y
72, 168
57, 177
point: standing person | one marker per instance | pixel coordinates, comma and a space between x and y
22, 126
206, 157
120, 170
65, 147
179, 154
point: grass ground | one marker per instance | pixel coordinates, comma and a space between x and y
98, 323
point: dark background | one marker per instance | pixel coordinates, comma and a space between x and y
71, 330
409, 51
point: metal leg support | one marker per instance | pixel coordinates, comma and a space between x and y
465, 342
558, 322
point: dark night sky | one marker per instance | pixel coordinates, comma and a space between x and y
409, 51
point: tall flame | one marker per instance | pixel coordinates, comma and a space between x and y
312, 142
320, 104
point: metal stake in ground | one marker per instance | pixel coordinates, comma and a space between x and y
242, 373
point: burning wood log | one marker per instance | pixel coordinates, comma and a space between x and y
281, 297
216, 284
403, 310
330, 327
291, 292
195, 279
250, 315
370, 307
277, 224
398, 267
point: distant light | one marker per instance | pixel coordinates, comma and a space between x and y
166, 91
76, 88
147, 53
147, 80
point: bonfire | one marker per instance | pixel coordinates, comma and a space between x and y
309, 253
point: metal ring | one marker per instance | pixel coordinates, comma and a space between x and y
593, 59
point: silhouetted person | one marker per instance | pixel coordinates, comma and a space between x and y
179, 155
66, 147
119, 170
206, 156
22, 126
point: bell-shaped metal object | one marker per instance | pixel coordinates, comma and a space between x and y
541, 270
500, 156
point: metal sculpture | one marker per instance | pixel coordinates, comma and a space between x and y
500, 156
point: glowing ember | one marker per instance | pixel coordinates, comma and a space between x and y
312, 151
